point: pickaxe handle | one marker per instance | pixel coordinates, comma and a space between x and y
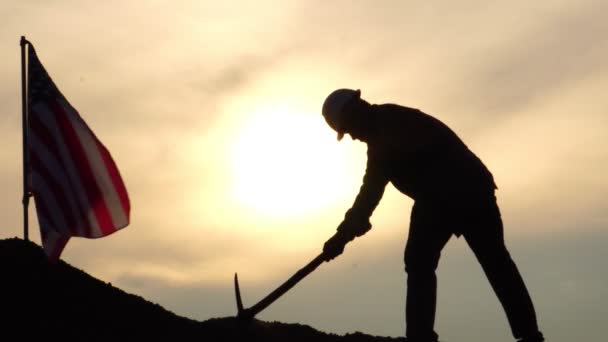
276, 294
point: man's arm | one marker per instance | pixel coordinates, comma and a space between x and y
356, 220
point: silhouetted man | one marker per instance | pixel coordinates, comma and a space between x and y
453, 193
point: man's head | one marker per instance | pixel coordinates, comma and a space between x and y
344, 110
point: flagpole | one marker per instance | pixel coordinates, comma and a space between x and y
26, 190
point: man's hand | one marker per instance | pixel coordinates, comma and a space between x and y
347, 231
335, 245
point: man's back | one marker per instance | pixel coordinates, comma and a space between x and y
421, 156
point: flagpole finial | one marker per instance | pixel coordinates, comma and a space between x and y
23, 41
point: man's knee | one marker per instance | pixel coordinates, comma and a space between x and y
489, 248
420, 263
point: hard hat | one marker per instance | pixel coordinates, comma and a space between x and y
333, 108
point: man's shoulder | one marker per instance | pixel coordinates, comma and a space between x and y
415, 118
390, 114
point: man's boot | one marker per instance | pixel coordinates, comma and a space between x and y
538, 337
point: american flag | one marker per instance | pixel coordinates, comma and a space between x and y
76, 185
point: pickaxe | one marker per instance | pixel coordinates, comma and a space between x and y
248, 314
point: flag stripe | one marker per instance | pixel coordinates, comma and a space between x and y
53, 243
44, 213
43, 134
84, 171
46, 118
60, 223
43, 147
56, 192
116, 179
91, 147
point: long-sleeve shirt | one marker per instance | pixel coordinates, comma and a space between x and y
421, 156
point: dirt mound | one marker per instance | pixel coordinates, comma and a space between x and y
60, 302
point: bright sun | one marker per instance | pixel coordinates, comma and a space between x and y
286, 163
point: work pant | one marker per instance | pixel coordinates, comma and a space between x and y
432, 224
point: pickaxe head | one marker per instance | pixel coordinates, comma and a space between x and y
248, 314
242, 313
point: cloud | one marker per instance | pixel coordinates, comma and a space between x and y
554, 54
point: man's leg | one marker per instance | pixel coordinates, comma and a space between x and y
426, 239
486, 239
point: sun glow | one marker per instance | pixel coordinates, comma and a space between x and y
287, 163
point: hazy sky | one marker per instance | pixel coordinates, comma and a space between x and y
212, 112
